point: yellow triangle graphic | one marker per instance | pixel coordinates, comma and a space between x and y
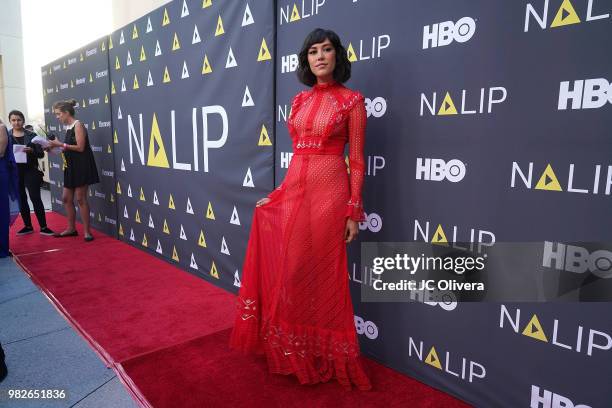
93, 125
447, 107
548, 180
113, 91
83, 105
112, 198
90, 77
117, 64
99, 217
106, 98
108, 150
351, 53
166, 76
81, 58
264, 53
158, 159
432, 359
202, 241
166, 229
219, 29
439, 236
206, 68
115, 140
176, 45
534, 329
171, 203
102, 47
143, 55
213, 271
206, 3
71, 84
137, 216
174, 254
134, 32
135, 86
295, 15
264, 139
144, 240
566, 15
118, 188
110, 42
166, 19
209, 212
142, 196
120, 229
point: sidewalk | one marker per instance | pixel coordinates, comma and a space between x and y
44, 353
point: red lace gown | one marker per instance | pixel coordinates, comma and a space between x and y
294, 302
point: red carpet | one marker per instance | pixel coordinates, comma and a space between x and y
166, 332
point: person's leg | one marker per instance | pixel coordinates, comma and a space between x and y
81, 196
24, 208
32, 183
68, 200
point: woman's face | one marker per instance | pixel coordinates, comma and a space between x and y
16, 122
322, 59
61, 116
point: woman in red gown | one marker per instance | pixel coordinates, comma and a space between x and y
294, 302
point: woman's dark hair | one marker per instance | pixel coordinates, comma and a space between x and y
342, 72
65, 106
16, 113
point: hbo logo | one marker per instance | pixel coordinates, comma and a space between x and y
376, 107
438, 170
373, 222
576, 259
368, 328
441, 34
586, 94
289, 63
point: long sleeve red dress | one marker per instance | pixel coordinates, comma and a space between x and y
294, 301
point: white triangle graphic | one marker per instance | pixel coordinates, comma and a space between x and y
247, 99
185, 73
122, 165
129, 59
237, 279
149, 26
122, 85
234, 219
121, 39
149, 79
231, 61
157, 49
159, 248
132, 234
189, 207
248, 179
155, 200
125, 213
119, 114
185, 11
151, 225
129, 190
248, 17
193, 263
183, 236
224, 248
196, 35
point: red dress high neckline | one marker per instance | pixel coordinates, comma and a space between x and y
326, 85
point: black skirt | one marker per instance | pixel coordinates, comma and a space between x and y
80, 167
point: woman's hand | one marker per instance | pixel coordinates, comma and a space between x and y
55, 143
262, 201
28, 150
351, 230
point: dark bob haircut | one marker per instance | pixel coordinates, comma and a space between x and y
16, 113
342, 72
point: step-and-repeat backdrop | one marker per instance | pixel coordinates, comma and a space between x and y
485, 124
83, 75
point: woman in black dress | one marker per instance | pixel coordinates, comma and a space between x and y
80, 170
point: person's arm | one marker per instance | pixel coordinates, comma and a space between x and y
79, 132
3, 139
356, 131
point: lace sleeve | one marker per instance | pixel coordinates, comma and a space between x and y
356, 131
